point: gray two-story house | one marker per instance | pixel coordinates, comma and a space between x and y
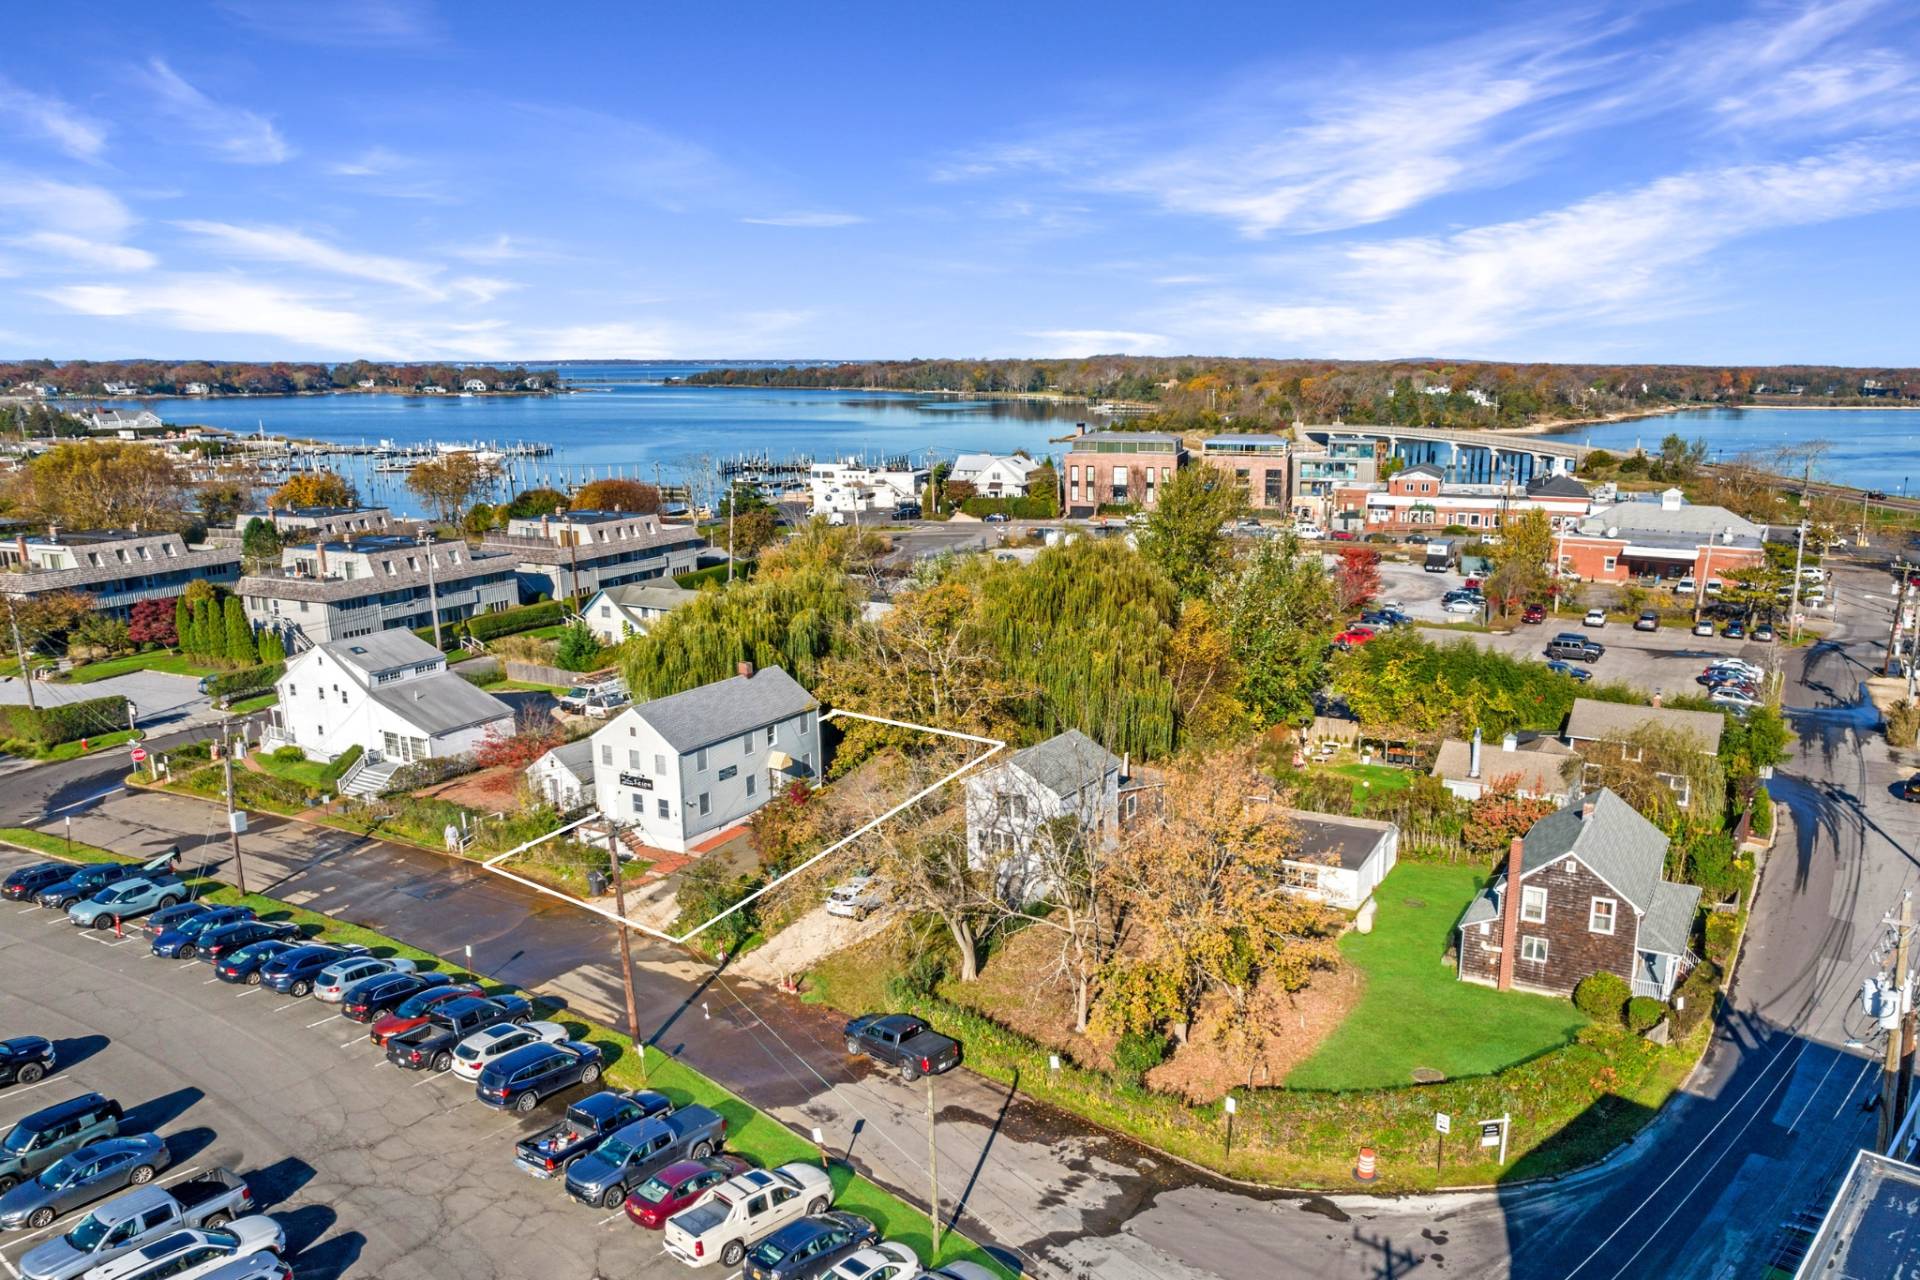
119, 569
337, 590
688, 765
575, 554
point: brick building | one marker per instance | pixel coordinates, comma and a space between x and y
1418, 499
1119, 468
1590, 898
1258, 465
1663, 536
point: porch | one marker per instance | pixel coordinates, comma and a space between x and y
1656, 973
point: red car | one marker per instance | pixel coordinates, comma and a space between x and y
677, 1186
1352, 636
1534, 613
1471, 584
414, 1011
1343, 535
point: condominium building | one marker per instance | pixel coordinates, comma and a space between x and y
118, 568
574, 554
318, 521
1419, 499
1258, 464
1317, 473
850, 487
336, 590
1119, 469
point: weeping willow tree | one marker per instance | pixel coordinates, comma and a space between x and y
1086, 628
789, 619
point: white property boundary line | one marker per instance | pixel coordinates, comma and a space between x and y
992, 745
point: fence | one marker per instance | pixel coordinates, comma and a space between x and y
539, 673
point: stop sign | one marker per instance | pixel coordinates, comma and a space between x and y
139, 754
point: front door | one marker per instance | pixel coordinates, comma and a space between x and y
1653, 969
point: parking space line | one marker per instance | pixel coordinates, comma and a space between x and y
22, 911
189, 964
210, 981
17, 1090
288, 1005
435, 1076
55, 920
324, 1021
610, 1217
250, 991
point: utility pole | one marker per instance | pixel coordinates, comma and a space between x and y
733, 503
20, 652
433, 593
1899, 612
626, 948
233, 827
1890, 1082
1793, 600
933, 1172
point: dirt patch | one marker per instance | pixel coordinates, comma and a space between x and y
1018, 989
494, 790
1211, 1063
800, 946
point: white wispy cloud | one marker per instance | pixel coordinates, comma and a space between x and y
297, 248
1072, 343
374, 162
52, 120
213, 303
79, 209
235, 134
819, 218
1609, 259
353, 24
98, 254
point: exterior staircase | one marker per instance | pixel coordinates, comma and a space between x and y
367, 777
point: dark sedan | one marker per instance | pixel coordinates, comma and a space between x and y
369, 998
25, 1059
677, 1186
83, 1177
1910, 789
808, 1248
291, 973
83, 884
173, 917
518, 1080
223, 940
245, 964
25, 884
415, 1010
182, 942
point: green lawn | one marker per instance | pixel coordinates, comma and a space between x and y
176, 664
308, 773
260, 703
1414, 1012
1378, 777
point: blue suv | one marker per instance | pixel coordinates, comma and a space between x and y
517, 1081
291, 973
182, 942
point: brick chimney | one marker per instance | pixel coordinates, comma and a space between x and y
20, 545
1586, 808
320, 545
744, 670
1510, 916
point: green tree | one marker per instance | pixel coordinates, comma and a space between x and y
1520, 560
184, 638
1277, 609
578, 648
207, 633
240, 645
1182, 535
272, 648
260, 543
536, 502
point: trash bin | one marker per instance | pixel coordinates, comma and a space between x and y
596, 883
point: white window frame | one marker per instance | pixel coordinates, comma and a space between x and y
1593, 915
1530, 943
1529, 902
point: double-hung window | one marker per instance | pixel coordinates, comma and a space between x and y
1600, 915
1533, 950
1533, 904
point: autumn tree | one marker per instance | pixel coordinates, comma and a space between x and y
1521, 560
616, 494
1356, 578
537, 502
1205, 675
316, 489
450, 482
753, 532
103, 484
1501, 813
151, 622
1182, 535
1203, 880
1062, 885
1666, 774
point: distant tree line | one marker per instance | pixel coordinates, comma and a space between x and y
164, 377
1202, 394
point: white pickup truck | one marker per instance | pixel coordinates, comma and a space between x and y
725, 1222
139, 1217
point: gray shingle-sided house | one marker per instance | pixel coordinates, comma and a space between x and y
690, 764
337, 589
615, 613
1600, 731
1590, 898
572, 554
564, 775
1009, 805
118, 568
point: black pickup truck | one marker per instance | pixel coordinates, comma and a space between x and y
431, 1043
587, 1121
902, 1040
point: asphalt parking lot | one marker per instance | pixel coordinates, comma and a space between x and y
371, 1171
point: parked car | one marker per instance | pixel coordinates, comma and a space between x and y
1649, 620
1353, 637
1762, 634
585, 1125
416, 1009
677, 1186
369, 998
1571, 644
627, 1158
577, 697
182, 941
331, 983
1704, 627
1686, 586
38, 1140
1910, 789
82, 1177
1568, 669
479, 1050
1309, 533
904, 1041
431, 1044
1343, 535
1736, 698
138, 1218
206, 1253
1463, 606
523, 1079
1417, 539
602, 705
221, 941
744, 1210
997, 517
1534, 613
83, 883
25, 884
855, 898
805, 1249
1739, 666
888, 1260
132, 896
24, 1059
1594, 618
292, 973
245, 963
170, 917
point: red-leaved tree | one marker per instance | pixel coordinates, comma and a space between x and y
527, 743
1356, 579
151, 622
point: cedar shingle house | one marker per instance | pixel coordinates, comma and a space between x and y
1600, 731
1591, 897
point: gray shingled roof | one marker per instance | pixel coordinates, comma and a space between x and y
381, 651
1556, 486
440, 703
725, 708
635, 596
1335, 840
1065, 762
1537, 765
1621, 847
1423, 469
473, 564
575, 757
1591, 720
1635, 518
33, 581
537, 550
1669, 921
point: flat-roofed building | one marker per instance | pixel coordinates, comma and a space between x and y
1119, 469
118, 568
338, 589
1315, 475
1258, 464
577, 553
1664, 536
332, 521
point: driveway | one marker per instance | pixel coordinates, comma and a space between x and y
162, 699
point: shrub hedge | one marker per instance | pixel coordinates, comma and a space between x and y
338, 767
485, 626
1603, 997
68, 722
246, 681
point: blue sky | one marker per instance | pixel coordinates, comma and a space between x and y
1707, 183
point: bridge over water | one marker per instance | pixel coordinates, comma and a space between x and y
1464, 457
